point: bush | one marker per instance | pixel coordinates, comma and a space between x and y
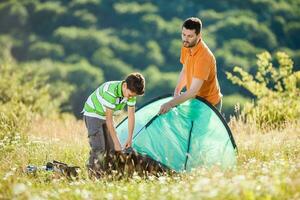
14, 119
276, 89
23, 95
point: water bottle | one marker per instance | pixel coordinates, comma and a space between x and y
31, 169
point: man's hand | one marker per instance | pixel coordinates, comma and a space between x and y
165, 108
128, 143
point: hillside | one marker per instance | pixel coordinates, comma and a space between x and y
79, 44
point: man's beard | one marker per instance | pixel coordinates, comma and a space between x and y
188, 44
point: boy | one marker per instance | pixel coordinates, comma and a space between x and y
98, 110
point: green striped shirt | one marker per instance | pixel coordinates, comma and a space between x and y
108, 95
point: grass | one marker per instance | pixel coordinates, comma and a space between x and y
268, 168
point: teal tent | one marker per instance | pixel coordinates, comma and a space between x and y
193, 134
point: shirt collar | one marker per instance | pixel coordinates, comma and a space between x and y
119, 89
198, 48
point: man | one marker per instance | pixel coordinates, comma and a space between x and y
98, 110
199, 72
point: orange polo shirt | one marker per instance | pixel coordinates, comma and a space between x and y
200, 63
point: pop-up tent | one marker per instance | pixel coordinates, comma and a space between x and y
191, 135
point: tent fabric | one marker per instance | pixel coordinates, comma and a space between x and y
193, 134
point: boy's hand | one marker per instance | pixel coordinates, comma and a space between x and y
117, 146
128, 143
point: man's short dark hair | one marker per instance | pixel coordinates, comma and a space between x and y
136, 83
193, 23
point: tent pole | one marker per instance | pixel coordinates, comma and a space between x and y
188, 147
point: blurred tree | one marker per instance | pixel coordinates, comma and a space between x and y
81, 41
122, 36
292, 30
277, 25
236, 52
13, 17
210, 16
244, 28
41, 50
85, 18
113, 68
46, 16
154, 54
158, 83
91, 5
69, 83
174, 48
134, 8
85, 78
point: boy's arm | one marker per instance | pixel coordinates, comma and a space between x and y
111, 129
131, 122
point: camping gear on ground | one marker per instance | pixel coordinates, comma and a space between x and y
125, 163
56, 166
193, 134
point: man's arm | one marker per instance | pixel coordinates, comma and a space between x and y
111, 129
131, 122
181, 83
191, 93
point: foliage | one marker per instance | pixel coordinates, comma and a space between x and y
41, 50
160, 83
123, 36
277, 91
292, 31
249, 29
76, 39
237, 52
134, 8
23, 95
13, 16
70, 84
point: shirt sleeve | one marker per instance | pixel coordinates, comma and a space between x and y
131, 101
107, 99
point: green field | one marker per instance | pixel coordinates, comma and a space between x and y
268, 168
53, 54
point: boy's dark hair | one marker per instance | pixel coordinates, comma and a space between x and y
136, 83
193, 23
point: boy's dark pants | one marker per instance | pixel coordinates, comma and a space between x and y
101, 145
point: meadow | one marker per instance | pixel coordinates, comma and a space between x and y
55, 53
268, 167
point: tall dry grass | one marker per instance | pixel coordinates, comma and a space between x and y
268, 168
